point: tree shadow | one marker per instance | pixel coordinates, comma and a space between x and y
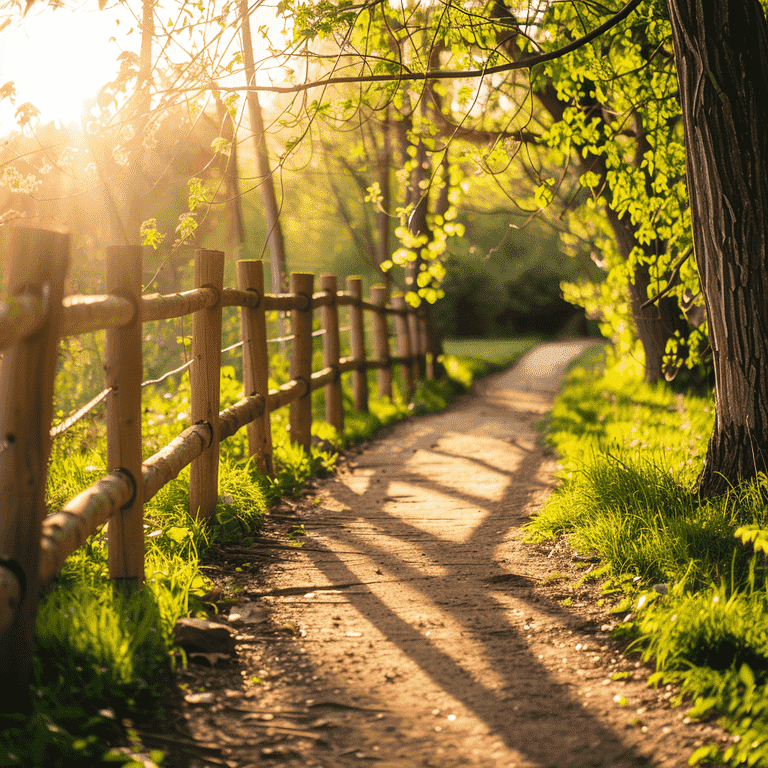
448, 560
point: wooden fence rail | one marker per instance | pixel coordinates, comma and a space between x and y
35, 315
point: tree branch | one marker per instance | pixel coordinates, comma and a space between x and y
525, 63
673, 280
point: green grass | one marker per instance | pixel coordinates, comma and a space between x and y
104, 657
691, 571
492, 351
468, 359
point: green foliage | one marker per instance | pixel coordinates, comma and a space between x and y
101, 655
503, 279
692, 572
150, 234
715, 643
621, 117
614, 410
754, 534
98, 647
637, 516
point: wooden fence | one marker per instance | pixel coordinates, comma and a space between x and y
35, 315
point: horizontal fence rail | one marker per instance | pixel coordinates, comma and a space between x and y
35, 316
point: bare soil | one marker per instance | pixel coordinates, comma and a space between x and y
413, 627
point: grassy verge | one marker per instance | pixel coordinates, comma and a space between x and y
691, 573
467, 359
104, 656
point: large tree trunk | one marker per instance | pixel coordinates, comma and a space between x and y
721, 49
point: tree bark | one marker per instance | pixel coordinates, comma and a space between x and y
721, 50
229, 169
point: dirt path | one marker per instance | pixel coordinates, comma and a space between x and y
413, 628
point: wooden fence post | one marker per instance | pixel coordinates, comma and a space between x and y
334, 405
404, 348
429, 358
124, 368
302, 286
253, 324
418, 362
434, 345
357, 344
381, 340
37, 261
205, 381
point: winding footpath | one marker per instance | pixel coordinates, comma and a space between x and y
414, 628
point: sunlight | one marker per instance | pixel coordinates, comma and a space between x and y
390, 542
80, 55
59, 59
465, 518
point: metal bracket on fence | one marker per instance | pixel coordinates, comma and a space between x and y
134, 488
13, 586
257, 294
307, 386
308, 299
14, 568
6, 443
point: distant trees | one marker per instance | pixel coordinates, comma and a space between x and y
630, 157
592, 121
615, 116
599, 118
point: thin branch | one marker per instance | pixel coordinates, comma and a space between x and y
526, 63
673, 280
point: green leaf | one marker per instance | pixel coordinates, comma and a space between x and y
543, 194
150, 234
221, 146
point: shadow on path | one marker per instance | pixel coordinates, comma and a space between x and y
413, 572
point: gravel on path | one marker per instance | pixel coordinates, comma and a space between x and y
413, 627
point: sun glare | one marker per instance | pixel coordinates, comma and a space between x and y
59, 58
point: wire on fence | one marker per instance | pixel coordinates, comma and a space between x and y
73, 418
168, 375
280, 339
79, 414
232, 346
315, 334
